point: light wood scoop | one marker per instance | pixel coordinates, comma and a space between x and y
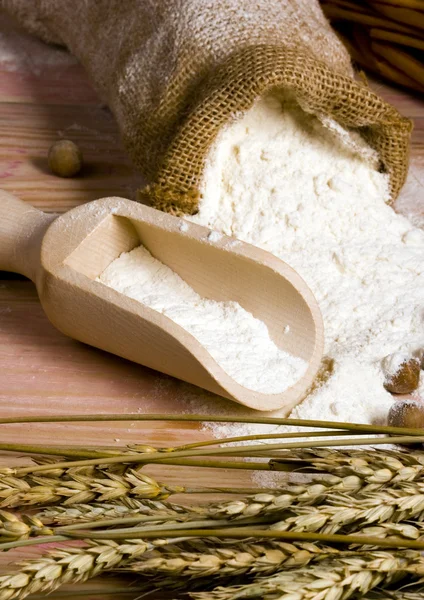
65, 254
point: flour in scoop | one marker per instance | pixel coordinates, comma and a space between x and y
312, 194
238, 341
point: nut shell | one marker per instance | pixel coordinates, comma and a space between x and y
406, 379
65, 158
407, 413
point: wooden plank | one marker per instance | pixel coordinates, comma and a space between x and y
43, 371
28, 130
34, 72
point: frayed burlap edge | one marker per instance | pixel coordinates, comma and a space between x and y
233, 89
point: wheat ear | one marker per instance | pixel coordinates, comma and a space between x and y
351, 471
306, 508
81, 513
70, 565
13, 527
310, 494
193, 559
393, 595
333, 579
375, 468
80, 485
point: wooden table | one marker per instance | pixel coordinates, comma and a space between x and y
44, 96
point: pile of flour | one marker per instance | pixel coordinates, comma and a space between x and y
312, 195
238, 342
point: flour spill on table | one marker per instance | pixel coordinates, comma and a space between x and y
301, 189
22, 52
281, 180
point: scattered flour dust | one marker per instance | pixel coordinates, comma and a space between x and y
393, 362
22, 52
238, 342
299, 188
214, 236
286, 182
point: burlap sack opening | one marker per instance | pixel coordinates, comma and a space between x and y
235, 86
174, 72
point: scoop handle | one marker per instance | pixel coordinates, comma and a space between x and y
22, 228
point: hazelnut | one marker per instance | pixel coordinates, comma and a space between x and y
407, 413
402, 373
65, 158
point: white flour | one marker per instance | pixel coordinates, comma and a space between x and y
236, 340
393, 362
282, 181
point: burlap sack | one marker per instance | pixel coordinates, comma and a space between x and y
175, 71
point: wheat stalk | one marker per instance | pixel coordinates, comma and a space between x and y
80, 485
372, 518
346, 521
255, 450
311, 508
309, 527
249, 506
13, 527
310, 494
263, 506
81, 513
375, 467
352, 468
194, 559
333, 579
357, 428
337, 504
347, 512
352, 471
381, 505
393, 595
68, 566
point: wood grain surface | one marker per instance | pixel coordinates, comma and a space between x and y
45, 96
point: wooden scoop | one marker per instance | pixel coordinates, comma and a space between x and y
64, 254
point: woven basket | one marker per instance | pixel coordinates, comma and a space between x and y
383, 36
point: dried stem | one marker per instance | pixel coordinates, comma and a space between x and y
356, 427
358, 474
262, 449
81, 453
247, 532
257, 437
76, 452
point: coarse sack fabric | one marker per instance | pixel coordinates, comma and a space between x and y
174, 72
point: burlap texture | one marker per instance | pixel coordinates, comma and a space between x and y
174, 72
